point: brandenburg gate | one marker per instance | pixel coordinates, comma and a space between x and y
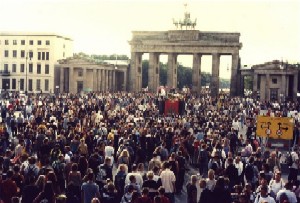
176, 42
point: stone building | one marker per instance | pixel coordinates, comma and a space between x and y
76, 74
273, 81
28, 58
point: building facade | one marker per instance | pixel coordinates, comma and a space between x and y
27, 60
273, 81
77, 74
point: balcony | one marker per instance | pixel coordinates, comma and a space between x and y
4, 73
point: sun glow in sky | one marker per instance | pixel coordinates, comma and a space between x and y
270, 29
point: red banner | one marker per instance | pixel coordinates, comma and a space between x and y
171, 107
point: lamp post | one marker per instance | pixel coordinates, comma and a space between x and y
26, 71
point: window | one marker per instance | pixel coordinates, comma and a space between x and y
46, 85
15, 42
6, 53
6, 67
14, 68
274, 80
22, 68
47, 42
30, 84
38, 69
22, 53
21, 84
14, 84
30, 54
15, 53
80, 73
47, 56
38, 84
43, 55
22, 42
47, 69
39, 42
31, 42
39, 55
6, 42
30, 68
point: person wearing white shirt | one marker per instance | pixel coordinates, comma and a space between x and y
138, 177
239, 166
168, 181
276, 184
109, 152
263, 196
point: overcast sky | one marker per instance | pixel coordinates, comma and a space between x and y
270, 29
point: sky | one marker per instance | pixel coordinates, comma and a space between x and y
270, 29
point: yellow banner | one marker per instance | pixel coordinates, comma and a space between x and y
275, 127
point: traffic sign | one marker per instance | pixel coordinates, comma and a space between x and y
275, 127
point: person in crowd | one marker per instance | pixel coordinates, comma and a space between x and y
191, 189
168, 181
286, 193
47, 195
89, 189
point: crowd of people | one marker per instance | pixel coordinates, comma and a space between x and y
119, 147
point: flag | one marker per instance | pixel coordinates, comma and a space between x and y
171, 107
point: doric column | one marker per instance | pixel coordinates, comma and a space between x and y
84, 78
295, 89
114, 80
61, 80
102, 80
214, 83
196, 76
255, 78
267, 90
135, 72
124, 85
234, 84
107, 81
153, 72
283, 85
72, 83
110, 80
95, 76
172, 71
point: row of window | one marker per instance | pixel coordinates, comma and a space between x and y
41, 55
23, 42
21, 84
30, 68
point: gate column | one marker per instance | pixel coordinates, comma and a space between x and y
214, 83
172, 71
196, 76
153, 72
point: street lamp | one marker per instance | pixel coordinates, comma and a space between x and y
26, 71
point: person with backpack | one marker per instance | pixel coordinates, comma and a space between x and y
120, 179
251, 172
286, 194
59, 170
293, 162
263, 196
31, 171
203, 159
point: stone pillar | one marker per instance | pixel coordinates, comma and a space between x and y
107, 81
283, 85
172, 71
196, 76
102, 80
95, 77
214, 83
234, 84
84, 78
153, 72
61, 80
110, 80
72, 83
124, 85
255, 78
135, 72
267, 91
295, 89
114, 80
